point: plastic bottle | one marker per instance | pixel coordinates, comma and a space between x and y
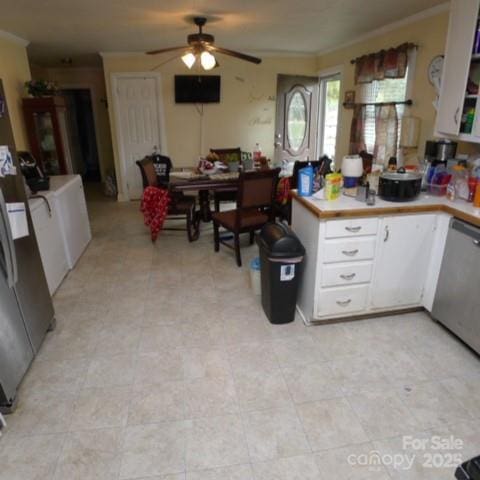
305, 181
257, 152
469, 120
472, 185
476, 198
451, 189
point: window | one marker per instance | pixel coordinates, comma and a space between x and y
328, 118
388, 90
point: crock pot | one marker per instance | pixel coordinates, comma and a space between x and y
399, 186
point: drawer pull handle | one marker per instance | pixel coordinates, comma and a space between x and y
353, 229
350, 276
343, 303
350, 253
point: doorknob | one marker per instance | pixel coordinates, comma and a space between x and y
277, 144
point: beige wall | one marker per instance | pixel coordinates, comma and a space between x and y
14, 72
93, 79
430, 34
245, 115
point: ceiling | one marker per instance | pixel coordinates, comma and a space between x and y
80, 29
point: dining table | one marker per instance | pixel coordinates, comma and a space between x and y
204, 184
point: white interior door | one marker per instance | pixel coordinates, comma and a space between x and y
139, 123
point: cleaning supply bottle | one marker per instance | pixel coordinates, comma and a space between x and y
305, 181
476, 198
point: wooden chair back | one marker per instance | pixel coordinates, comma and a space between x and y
155, 170
256, 190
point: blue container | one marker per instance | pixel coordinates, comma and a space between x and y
305, 181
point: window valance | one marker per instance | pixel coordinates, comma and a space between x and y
391, 63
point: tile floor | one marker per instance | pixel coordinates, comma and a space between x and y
164, 367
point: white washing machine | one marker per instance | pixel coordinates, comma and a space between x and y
50, 239
72, 211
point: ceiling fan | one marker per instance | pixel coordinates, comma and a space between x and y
201, 45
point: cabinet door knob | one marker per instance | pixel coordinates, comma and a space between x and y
350, 276
353, 229
343, 303
350, 253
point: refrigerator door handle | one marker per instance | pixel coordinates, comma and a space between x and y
8, 244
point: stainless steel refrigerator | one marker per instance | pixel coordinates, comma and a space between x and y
26, 309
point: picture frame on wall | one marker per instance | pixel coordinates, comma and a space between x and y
349, 99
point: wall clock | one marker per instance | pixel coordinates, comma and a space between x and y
435, 71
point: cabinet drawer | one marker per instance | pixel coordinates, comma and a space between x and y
335, 301
351, 273
349, 250
351, 227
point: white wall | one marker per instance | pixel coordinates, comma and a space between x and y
245, 115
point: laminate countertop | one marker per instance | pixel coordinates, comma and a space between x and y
347, 207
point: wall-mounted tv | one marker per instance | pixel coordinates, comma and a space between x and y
197, 88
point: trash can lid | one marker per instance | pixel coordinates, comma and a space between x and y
279, 241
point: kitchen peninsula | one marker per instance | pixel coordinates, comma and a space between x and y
366, 260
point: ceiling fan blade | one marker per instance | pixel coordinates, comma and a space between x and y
233, 53
163, 50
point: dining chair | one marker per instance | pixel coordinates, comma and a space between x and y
155, 171
255, 195
226, 155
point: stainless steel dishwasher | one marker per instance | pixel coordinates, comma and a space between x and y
457, 299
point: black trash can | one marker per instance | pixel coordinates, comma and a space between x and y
469, 470
281, 259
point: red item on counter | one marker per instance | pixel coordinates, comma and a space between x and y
472, 185
476, 198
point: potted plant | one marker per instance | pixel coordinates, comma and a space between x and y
41, 88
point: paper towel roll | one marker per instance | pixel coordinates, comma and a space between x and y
352, 166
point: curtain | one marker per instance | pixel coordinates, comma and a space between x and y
357, 129
391, 63
386, 133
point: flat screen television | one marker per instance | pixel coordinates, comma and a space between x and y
197, 88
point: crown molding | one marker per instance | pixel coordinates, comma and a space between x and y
417, 17
13, 38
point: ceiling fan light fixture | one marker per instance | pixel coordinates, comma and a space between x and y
207, 60
189, 59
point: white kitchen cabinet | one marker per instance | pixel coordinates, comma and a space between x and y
402, 260
453, 99
73, 215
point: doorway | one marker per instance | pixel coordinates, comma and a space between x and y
140, 126
83, 139
296, 120
328, 114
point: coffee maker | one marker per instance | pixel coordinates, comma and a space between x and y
36, 180
440, 151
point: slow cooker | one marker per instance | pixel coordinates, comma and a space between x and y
399, 186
